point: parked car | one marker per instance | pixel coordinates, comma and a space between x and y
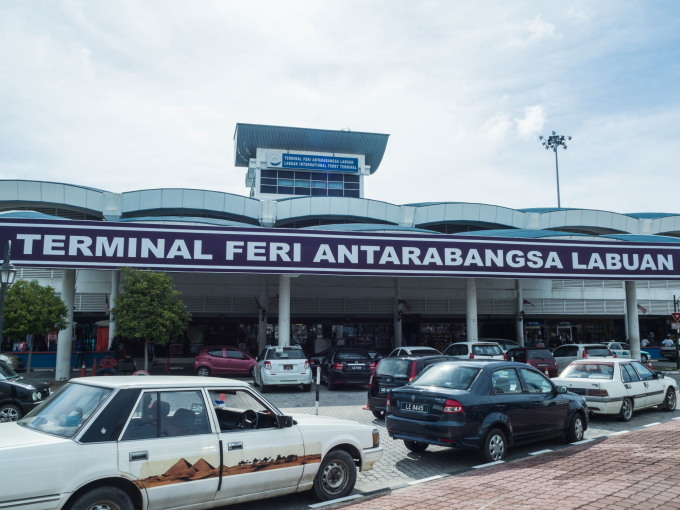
315, 360
622, 350
481, 405
539, 358
413, 350
15, 362
503, 342
670, 353
475, 350
392, 373
619, 386
19, 394
346, 365
223, 360
282, 366
174, 442
565, 354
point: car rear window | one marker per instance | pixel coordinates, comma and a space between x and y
487, 350
286, 354
445, 375
597, 351
539, 354
352, 355
393, 367
583, 370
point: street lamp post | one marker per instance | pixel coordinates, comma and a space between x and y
552, 143
7, 274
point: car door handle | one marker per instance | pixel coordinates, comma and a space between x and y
236, 445
627, 386
139, 456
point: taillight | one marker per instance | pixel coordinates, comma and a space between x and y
372, 366
413, 373
370, 381
388, 404
306, 364
597, 393
453, 406
267, 365
585, 354
472, 355
337, 366
505, 356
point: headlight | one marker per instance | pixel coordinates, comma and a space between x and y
376, 438
36, 396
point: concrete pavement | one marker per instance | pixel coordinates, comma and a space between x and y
631, 470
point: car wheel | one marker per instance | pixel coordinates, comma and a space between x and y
10, 412
103, 498
203, 371
336, 476
670, 402
307, 388
626, 412
644, 358
380, 415
415, 446
495, 446
576, 429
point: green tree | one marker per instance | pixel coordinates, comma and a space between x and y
31, 309
149, 309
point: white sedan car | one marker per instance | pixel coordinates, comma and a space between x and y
169, 442
282, 366
618, 386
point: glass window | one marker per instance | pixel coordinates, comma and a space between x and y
352, 193
536, 383
628, 373
319, 184
447, 375
302, 191
351, 355
335, 177
335, 193
268, 181
286, 190
286, 182
645, 373
319, 176
239, 409
505, 381
283, 353
486, 350
393, 367
268, 189
539, 354
598, 351
216, 352
234, 354
286, 174
270, 173
351, 178
516, 355
334, 185
319, 192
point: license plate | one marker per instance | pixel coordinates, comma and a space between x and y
412, 406
383, 389
543, 365
288, 367
356, 367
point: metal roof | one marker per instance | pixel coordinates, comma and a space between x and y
369, 227
520, 233
249, 137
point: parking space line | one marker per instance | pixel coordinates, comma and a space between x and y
480, 466
539, 452
583, 441
334, 501
619, 432
651, 424
428, 479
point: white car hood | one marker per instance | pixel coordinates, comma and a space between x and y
13, 435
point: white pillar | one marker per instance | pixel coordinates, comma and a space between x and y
115, 288
633, 322
398, 332
262, 315
519, 323
64, 339
284, 310
471, 309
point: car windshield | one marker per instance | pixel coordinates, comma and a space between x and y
582, 370
539, 354
487, 350
444, 375
286, 354
347, 355
6, 372
393, 367
65, 411
598, 351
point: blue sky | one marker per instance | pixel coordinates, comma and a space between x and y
132, 95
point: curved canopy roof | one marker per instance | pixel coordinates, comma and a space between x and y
249, 137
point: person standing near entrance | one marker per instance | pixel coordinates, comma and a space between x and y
668, 341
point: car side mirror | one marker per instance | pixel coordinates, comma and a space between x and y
560, 389
658, 375
283, 422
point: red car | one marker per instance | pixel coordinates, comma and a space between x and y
539, 358
220, 359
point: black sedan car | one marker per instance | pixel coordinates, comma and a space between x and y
346, 365
394, 372
18, 394
484, 405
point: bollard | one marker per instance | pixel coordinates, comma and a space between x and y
318, 383
83, 370
649, 365
547, 373
94, 367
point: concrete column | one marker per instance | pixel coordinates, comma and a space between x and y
262, 315
64, 339
284, 310
633, 322
471, 309
115, 288
519, 323
398, 332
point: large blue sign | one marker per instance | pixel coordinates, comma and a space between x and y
109, 245
324, 163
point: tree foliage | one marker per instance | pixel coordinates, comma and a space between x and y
31, 308
149, 307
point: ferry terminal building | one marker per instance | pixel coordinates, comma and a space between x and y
306, 259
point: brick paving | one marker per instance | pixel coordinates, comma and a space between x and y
634, 470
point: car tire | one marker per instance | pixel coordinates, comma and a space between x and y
670, 402
10, 412
576, 429
380, 415
415, 446
336, 476
644, 358
203, 371
264, 388
307, 388
495, 445
626, 412
111, 498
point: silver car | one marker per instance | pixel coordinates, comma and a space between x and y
282, 366
565, 354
